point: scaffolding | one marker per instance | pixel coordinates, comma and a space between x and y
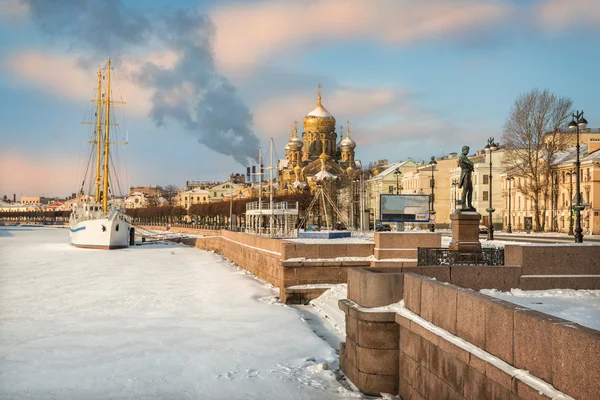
322, 200
278, 221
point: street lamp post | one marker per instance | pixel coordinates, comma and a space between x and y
578, 122
570, 174
509, 180
397, 174
491, 146
454, 184
432, 163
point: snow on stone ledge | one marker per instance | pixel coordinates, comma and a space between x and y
524, 376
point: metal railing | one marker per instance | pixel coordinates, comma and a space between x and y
281, 205
486, 256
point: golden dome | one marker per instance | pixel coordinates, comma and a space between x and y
295, 144
319, 116
348, 143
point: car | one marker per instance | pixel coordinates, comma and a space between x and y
383, 228
483, 230
339, 226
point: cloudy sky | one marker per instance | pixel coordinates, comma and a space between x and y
207, 82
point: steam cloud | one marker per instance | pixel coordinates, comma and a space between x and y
192, 92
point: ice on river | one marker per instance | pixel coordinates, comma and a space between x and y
148, 322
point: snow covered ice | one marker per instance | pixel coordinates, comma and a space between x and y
148, 322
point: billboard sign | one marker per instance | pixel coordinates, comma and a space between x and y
404, 207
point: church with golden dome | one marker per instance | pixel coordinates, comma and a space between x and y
318, 155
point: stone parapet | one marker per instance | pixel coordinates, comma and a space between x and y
554, 259
381, 254
369, 357
291, 250
545, 282
375, 287
554, 350
407, 240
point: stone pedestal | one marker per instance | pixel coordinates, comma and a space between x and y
465, 231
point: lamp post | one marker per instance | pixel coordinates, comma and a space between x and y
509, 180
491, 146
578, 122
454, 184
355, 182
397, 174
570, 174
432, 163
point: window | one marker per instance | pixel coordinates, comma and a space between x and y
214, 194
563, 200
391, 189
486, 180
485, 194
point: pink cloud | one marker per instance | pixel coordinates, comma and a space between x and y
57, 174
51, 175
63, 76
13, 10
248, 33
552, 14
273, 117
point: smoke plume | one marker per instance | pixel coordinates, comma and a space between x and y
191, 92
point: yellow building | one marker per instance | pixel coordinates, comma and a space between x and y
389, 181
556, 210
31, 200
187, 198
220, 191
136, 200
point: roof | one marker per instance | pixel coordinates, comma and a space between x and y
390, 169
323, 174
196, 191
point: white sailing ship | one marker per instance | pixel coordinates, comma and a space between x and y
95, 221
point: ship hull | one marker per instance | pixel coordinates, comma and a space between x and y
101, 233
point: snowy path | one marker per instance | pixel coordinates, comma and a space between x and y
149, 322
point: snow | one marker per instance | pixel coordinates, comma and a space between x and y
579, 306
324, 315
155, 322
319, 111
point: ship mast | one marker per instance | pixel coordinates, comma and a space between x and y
98, 136
106, 140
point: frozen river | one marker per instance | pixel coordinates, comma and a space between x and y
149, 322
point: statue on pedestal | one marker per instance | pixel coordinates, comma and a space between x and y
465, 183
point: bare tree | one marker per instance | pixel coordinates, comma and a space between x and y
533, 137
169, 192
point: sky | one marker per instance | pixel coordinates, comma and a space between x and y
208, 82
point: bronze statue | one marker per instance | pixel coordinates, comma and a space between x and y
466, 184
